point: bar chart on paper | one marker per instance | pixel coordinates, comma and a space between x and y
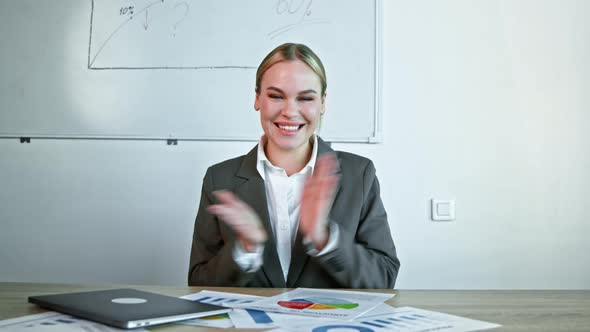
217, 298
413, 319
404, 319
53, 321
222, 300
238, 318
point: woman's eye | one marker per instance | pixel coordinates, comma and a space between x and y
275, 96
306, 98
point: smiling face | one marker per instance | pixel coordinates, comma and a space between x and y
290, 102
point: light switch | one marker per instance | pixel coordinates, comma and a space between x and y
443, 210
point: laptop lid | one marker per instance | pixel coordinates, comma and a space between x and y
127, 308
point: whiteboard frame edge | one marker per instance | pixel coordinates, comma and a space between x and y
166, 138
377, 134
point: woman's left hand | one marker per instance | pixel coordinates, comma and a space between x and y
318, 196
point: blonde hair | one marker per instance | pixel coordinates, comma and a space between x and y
290, 52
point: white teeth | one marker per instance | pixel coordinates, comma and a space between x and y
290, 128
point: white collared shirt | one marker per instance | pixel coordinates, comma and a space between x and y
283, 194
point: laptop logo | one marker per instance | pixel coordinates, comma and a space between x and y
128, 300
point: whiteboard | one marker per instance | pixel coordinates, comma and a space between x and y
182, 69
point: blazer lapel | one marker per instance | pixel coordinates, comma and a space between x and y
253, 193
299, 256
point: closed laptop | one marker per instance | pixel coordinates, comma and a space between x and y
127, 308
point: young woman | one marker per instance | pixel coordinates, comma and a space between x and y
292, 212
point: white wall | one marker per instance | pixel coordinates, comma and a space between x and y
485, 102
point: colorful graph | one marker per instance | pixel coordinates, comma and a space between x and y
220, 321
215, 317
318, 303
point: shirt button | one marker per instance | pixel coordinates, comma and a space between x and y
283, 227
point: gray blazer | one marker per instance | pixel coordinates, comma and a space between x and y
365, 256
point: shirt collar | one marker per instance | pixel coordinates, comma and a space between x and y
262, 161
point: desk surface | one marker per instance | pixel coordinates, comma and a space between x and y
555, 310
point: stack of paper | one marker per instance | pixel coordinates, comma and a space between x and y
327, 310
53, 321
324, 311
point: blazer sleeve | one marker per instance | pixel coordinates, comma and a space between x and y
367, 258
211, 261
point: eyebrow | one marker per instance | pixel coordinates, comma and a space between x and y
300, 92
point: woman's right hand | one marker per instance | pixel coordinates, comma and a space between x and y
241, 218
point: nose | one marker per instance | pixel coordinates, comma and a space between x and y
290, 108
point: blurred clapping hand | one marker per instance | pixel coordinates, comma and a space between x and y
318, 196
242, 219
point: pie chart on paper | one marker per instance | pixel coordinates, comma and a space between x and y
318, 303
